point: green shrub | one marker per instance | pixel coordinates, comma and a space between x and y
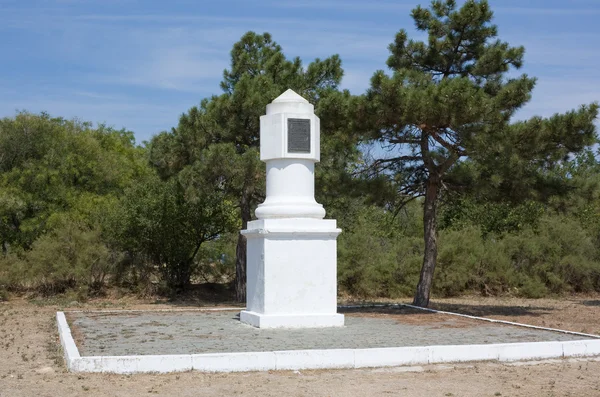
560, 255
531, 287
376, 257
3, 294
72, 255
216, 260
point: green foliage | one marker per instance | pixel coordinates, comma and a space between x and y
445, 116
165, 223
519, 202
378, 255
557, 256
70, 255
52, 166
216, 260
59, 180
377, 258
561, 255
227, 126
467, 262
490, 217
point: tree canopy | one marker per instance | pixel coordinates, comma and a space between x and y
451, 98
228, 125
428, 169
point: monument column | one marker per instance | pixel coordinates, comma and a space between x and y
291, 249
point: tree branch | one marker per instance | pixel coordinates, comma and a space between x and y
397, 159
449, 146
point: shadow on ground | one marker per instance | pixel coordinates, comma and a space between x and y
387, 309
492, 310
469, 309
591, 303
207, 294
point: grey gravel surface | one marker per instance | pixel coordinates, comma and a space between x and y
193, 332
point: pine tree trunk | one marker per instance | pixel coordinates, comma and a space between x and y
240, 254
430, 255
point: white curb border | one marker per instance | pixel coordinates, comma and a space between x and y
328, 358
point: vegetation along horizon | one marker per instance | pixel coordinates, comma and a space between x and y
438, 189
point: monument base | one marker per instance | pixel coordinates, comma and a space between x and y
291, 273
291, 320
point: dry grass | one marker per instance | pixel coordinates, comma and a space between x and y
31, 363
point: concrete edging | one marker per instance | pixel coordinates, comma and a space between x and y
318, 359
66, 340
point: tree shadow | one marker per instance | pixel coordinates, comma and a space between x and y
491, 310
206, 294
389, 309
468, 309
591, 303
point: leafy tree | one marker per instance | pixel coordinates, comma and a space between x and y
51, 166
259, 72
167, 222
59, 179
449, 99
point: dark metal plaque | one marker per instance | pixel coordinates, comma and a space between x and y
298, 135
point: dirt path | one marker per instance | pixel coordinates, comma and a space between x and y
31, 363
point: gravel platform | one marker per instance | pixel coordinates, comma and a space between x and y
195, 332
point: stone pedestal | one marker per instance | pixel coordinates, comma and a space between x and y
291, 274
291, 251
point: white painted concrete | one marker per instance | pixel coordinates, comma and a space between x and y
531, 350
582, 348
462, 353
290, 175
314, 359
391, 356
290, 190
66, 340
260, 320
274, 128
234, 362
291, 273
318, 359
291, 251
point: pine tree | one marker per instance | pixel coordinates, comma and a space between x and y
229, 124
450, 99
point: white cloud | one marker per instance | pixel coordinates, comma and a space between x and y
172, 60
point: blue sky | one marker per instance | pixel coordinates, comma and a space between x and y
139, 64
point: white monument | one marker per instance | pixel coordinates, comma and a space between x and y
292, 256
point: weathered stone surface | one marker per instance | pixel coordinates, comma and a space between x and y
215, 332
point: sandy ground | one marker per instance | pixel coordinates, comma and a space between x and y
31, 361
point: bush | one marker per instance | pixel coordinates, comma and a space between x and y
3, 294
376, 257
556, 257
72, 255
381, 256
216, 260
